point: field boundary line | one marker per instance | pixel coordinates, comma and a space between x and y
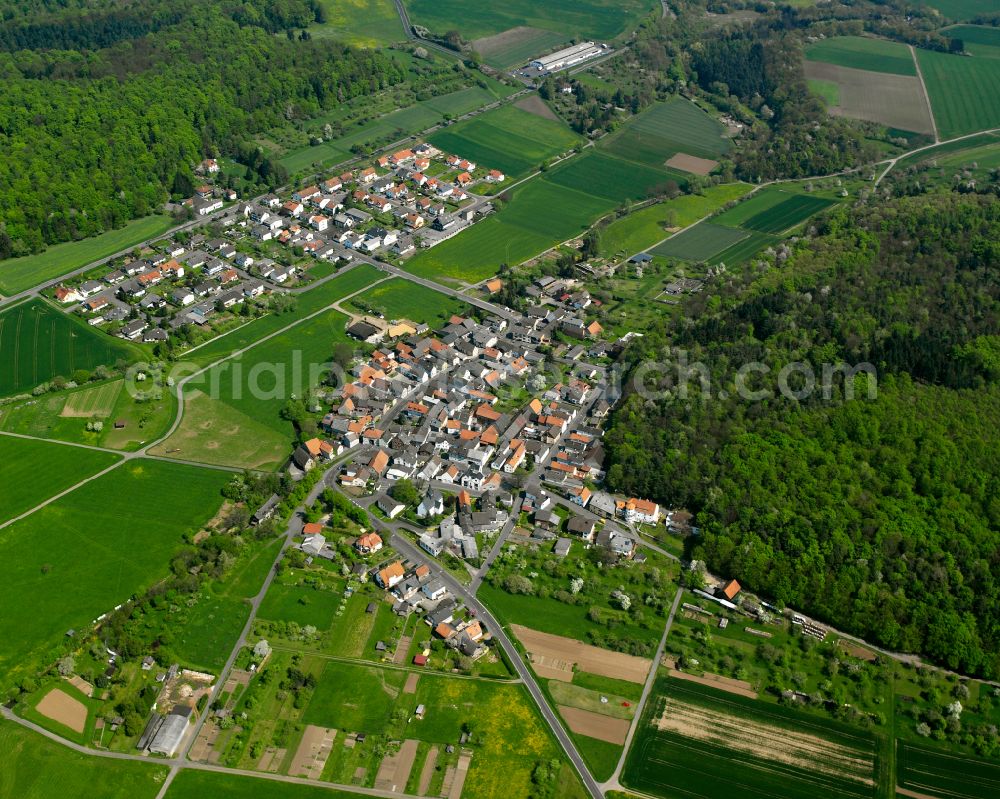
927, 97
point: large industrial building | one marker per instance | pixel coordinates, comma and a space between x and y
568, 57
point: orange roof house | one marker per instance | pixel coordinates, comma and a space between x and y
369, 542
311, 528
390, 575
731, 589
380, 462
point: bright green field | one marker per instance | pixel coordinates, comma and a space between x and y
700, 243
549, 615
644, 228
615, 179
877, 55
540, 216
43, 416
944, 774
18, 274
745, 249
357, 277
599, 19
963, 91
667, 764
978, 39
356, 698
23, 464
507, 138
530, 43
404, 122
233, 410
36, 768
38, 342
191, 784
363, 23
665, 129
828, 90
301, 604
963, 9
787, 214
761, 201
401, 299
77, 558
259, 382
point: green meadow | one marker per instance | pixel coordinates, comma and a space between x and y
18, 274
38, 342
401, 299
64, 416
599, 19
859, 52
37, 768
400, 123
23, 464
665, 129
78, 557
962, 90
507, 138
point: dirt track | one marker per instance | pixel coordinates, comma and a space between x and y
63, 708
739, 687
553, 656
595, 725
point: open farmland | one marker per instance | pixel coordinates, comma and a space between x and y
666, 129
934, 773
760, 201
615, 179
363, 23
963, 9
890, 99
863, 53
233, 412
647, 226
38, 342
18, 274
787, 214
962, 91
700, 242
745, 249
977, 39
103, 542
694, 741
598, 19
37, 768
216, 433
347, 282
516, 46
64, 415
403, 122
21, 461
191, 784
401, 299
507, 138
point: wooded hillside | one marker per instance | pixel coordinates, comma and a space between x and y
880, 516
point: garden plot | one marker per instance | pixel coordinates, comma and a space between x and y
553, 657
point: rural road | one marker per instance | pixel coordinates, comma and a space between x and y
402, 544
612, 783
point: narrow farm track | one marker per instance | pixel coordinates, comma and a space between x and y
927, 97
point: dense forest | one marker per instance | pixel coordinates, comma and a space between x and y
92, 138
880, 515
